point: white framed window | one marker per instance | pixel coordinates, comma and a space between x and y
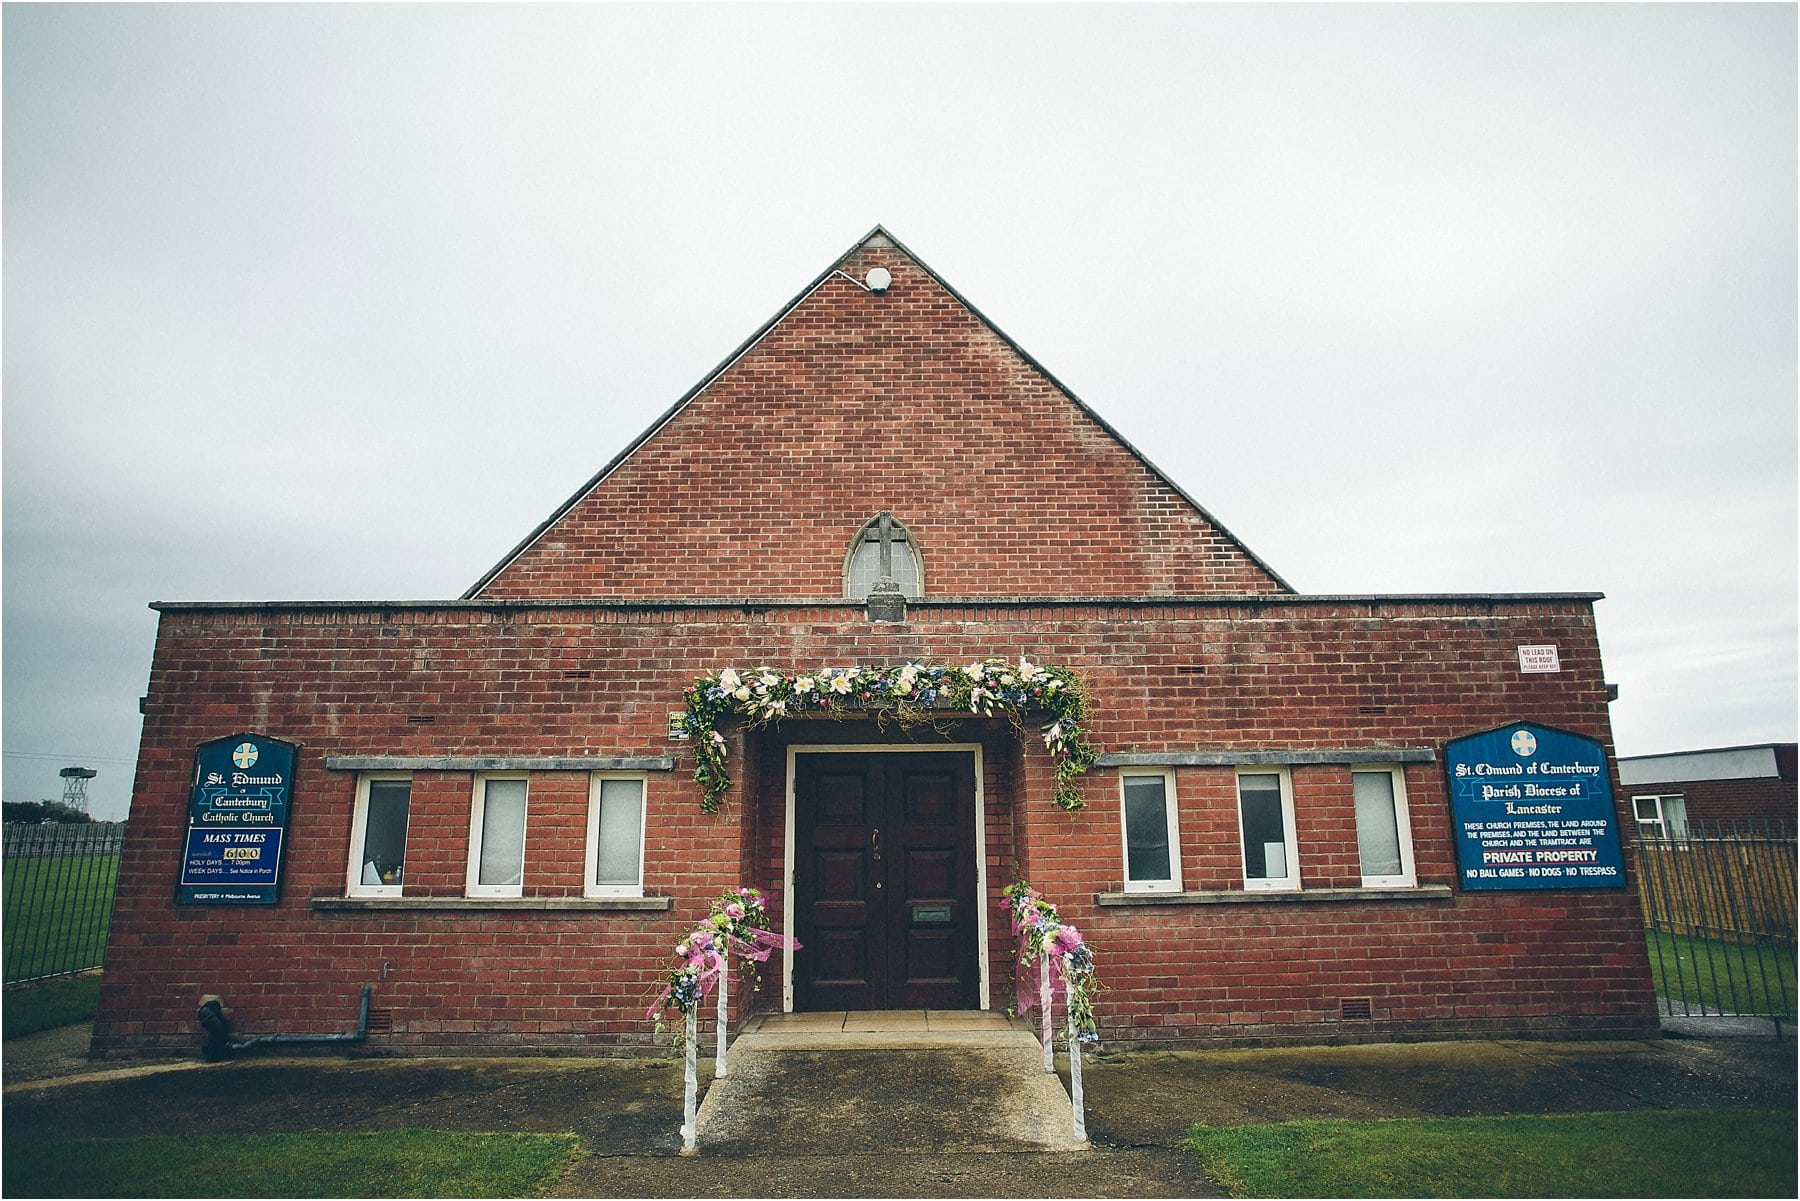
615, 836
497, 837
1660, 816
1266, 825
1383, 830
1148, 826
378, 836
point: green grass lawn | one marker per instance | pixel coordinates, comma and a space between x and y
1726, 976
399, 1163
56, 912
1645, 1153
46, 1006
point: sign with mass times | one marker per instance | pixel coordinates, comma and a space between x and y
237, 821
1532, 808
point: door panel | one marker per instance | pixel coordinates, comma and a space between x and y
841, 889
885, 880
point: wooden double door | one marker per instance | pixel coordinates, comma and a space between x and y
885, 880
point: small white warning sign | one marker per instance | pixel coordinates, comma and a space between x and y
1539, 659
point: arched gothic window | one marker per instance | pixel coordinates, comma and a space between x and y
863, 561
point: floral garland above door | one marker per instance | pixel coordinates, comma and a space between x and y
913, 693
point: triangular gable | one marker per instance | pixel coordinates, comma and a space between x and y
855, 399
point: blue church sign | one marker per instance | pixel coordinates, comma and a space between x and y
1533, 808
237, 821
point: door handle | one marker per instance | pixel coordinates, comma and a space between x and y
875, 842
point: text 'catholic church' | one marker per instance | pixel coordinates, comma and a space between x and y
923, 587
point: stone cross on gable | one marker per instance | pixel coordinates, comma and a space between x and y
886, 602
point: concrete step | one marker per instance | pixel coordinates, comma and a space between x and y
900, 1087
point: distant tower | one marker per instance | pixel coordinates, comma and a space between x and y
75, 786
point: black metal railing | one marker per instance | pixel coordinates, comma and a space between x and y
56, 897
1719, 917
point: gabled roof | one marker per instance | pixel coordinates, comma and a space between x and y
877, 239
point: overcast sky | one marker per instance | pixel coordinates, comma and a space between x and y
331, 302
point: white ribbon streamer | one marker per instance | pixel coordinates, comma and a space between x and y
690, 1087
719, 1066
1075, 1101
1044, 1011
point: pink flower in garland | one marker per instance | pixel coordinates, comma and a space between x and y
1067, 939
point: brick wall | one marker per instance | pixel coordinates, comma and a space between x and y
569, 680
856, 401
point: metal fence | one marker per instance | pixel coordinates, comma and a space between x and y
58, 883
1719, 914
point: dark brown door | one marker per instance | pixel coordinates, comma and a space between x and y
885, 881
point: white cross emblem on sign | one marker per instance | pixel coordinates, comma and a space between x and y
244, 756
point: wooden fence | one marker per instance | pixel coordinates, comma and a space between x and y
1719, 916
1728, 881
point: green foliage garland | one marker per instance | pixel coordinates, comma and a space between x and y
912, 693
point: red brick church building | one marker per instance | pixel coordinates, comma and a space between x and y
488, 820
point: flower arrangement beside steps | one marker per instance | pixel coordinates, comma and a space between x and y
1043, 934
1061, 955
911, 693
738, 922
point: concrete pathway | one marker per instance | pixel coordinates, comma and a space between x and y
903, 1082
899, 1104
47, 1055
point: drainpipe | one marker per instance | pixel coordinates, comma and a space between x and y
214, 1020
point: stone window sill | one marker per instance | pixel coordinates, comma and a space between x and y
490, 904
1424, 892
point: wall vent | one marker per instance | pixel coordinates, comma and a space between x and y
1356, 1009
381, 1021
578, 675
420, 719
1372, 710
1191, 669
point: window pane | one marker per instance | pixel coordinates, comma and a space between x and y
621, 832
904, 575
1146, 829
503, 833
1646, 808
1377, 830
384, 831
1674, 810
865, 568
1265, 836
